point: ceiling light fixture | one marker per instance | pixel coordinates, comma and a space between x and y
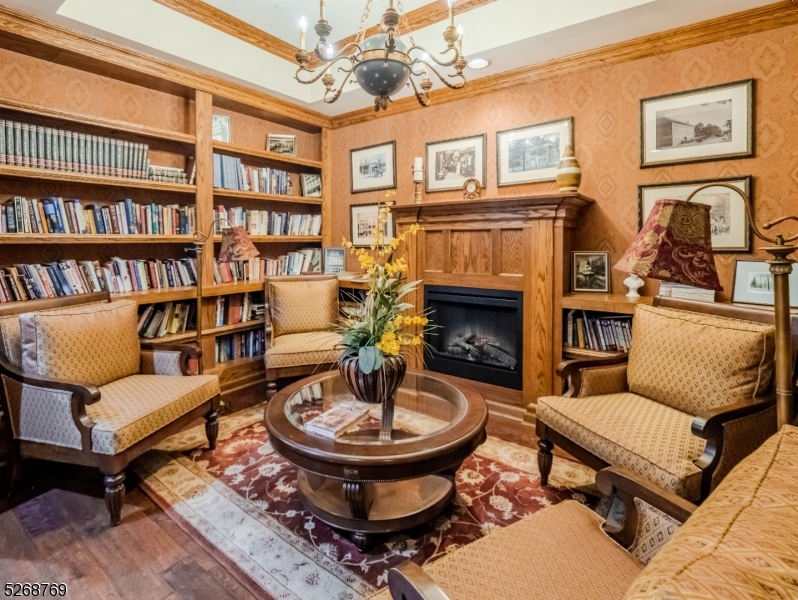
478, 63
381, 64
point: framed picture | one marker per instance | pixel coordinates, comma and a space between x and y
334, 260
710, 123
753, 284
590, 272
281, 144
364, 223
451, 162
222, 128
311, 185
731, 231
532, 153
374, 168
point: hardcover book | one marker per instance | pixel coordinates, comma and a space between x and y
337, 420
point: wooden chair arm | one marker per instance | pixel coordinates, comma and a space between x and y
86, 392
709, 424
628, 486
571, 370
187, 352
408, 581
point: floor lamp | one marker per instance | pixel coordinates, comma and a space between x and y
236, 246
675, 245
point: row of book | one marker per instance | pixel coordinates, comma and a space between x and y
265, 222
306, 260
122, 275
172, 174
239, 308
27, 145
160, 320
597, 331
245, 344
57, 215
230, 173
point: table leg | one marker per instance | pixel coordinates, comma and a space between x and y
386, 427
355, 493
361, 540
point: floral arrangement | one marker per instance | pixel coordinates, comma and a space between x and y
381, 325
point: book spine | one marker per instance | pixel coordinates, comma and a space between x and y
18, 144
69, 158
103, 169
94, 158
62, 159
25, 128
82, 152
34, 146
9, 143
2, 147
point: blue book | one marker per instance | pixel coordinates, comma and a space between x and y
130, 214
62, 280
51, 214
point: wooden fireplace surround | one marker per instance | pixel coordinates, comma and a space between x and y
521, 244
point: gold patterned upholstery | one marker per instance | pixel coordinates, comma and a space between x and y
695, 362
134, 407
557, 553
628, 430
599, 381
303, 306
742, 542
654, 529
97, 344
298, 349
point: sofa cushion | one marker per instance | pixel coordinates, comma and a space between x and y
627, 430
134, 407
695, 362
742, 542
559, 552
654, 529
301, 306
91, 343
299, 349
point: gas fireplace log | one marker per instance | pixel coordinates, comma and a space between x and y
462, 343
499, 355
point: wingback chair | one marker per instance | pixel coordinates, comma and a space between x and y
694, 398
302, 315
79, 387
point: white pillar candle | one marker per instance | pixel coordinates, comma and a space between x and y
460, 39
418, 164
321, 11
451, 12
303, 27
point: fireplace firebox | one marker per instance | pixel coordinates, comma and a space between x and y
479, 334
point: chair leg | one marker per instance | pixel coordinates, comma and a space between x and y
14, 467
544, 460
271, 389
115, 496
212, 428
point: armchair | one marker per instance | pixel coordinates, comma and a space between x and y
78, 387
694, 398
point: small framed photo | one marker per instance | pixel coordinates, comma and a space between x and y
451, 162
590, 272
711, 123
753, 284
731, 231
373, 168
311, 185
530, 154
364, 219
334, 260
222, 129
281, 144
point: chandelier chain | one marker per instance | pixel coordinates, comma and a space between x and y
406, 22
361, 34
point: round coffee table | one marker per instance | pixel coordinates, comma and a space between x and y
366, 486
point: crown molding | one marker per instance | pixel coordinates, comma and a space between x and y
738, 24
24, 33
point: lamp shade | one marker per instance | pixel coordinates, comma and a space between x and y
675, 244
236, 245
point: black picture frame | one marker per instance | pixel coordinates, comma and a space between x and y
500, 182
600, 288
382, 186
355, 212
457, 185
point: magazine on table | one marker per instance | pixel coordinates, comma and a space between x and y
334, 422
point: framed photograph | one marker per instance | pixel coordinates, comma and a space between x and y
451, 162
311, 185
364, 224
753, 284
334, 260
532, 153
281, 144
374, 168
222, 128
730, 228
590, 272
710, 123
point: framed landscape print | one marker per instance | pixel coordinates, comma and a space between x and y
451, 162
730, 228
710, 123
590, 272
364, 223
753, 283
532, 153
374, 168
311, 185
221, 128
281, 144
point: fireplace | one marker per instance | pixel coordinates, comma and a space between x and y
479, 334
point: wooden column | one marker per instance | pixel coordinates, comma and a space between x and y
326, 191
204, 179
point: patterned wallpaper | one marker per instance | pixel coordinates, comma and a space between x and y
605, 105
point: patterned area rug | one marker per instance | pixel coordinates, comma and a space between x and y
240, 503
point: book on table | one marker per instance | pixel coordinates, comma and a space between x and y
337, 420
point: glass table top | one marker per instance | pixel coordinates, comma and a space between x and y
424, 406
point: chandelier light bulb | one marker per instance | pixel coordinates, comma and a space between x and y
460, 39
330, 51
303, 25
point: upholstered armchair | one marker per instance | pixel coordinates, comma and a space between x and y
302, 315
79, 387
695, 397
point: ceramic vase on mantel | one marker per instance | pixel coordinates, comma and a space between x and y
569, 173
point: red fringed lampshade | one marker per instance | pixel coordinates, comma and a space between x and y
236, 245
674, 245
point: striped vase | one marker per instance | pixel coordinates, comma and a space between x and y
569, 173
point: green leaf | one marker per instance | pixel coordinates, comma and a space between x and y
367, 358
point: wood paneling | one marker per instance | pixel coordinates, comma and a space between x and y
434, 250
512, 252
470, 252
539, 307
204, 156
327, 191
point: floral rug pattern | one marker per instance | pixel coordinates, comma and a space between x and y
242, 500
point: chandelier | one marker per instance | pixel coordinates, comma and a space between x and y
382, 64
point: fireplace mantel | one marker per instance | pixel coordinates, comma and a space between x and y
522, 244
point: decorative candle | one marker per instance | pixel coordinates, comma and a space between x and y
460, 39
418, 169
303, 27
321, 11
451, 12
425, 58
